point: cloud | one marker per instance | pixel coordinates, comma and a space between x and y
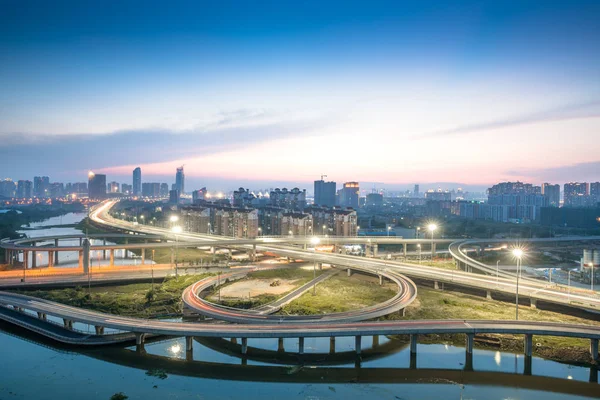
570, 111
584, 172
34, 154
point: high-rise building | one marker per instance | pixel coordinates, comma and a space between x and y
552, 192
595, 193
164, 189
137, 181
348, 195
126, 189
174, 197
41, 185
151, 189
294, 199
416, 191
113, 187
7, 188
24, 189
96, 186
198, 195
325, 193
576, 194
180, 181
515, 201
56, 189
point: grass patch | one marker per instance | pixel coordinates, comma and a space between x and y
129, 300
437, 304
445, 264
339, 294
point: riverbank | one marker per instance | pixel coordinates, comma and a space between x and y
437, 304
134, 300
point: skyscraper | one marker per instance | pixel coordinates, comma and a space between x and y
41, 185
179, 180
348, 195
96, 186
137, 181
24, 189
325, 193
575, 194
552, 192
416, 191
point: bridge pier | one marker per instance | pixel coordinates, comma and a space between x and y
33, 259
301, 345
593, 375
413, 344
25, 259
173, 256
375, 248
527, 367
112, 257
469, 344
244, 346
68, 324
594, 349
56, 252
125, 250
468, 361
104, 251
488, 295
234, 340
99, 330
436, 285
528, 345
358, 344
413, 361
405, 250
140, 339
320, 265
380, 280
143, 256
332, 345
375, 341
280, 346
50, 259
86, 256
533, 302
42, 316
80, 258
189, 344
349, 272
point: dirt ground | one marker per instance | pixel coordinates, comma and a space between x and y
254, 287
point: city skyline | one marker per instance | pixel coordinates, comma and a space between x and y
472, 93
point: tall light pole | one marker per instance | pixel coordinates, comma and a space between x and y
419, 247
569, 284
592, 276
324, 227
518, 253
176, 230
259, 231
432, 228
209, 228
497, 264
418, 229
152, 269
315, 241
357, 229
389, 228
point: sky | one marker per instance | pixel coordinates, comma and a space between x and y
268, 93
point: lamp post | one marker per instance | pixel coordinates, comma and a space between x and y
432, 228
389, 228
315, 241
569, 284
152, 269
259, 231
209, 228
324, 227
419, 247
418, 229
497, 263
518, 253
357, 229
591, 276
176, 230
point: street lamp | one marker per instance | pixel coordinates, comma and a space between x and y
142, 218
259, 231
291, 233
314, 241
389, 228
419, 247
176, 230
569, 284
432, 228
418, 229
152, 269
497, 263
518, 253
592, 275
324, 227
357, 229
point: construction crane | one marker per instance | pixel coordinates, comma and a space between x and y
323, 176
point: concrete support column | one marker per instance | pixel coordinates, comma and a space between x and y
125, 250
25, 259
42, 316
86, 256
55, 253
301, 345
33, 259
468, 361
533, 302
99, 330
172, 256
212, 250
320, 265
80, 241
375, 340
432, 250
527, 370
189, 344
80, 258
140, 339
488, 294
50, 259
280, 347
594, 349
104, 251
528, 347
413, 344
349, 272
380, 280
593, 375
143, 256
375, 248
244, 345
358, 344
112, 257
413, 361
68, 323
253, 253
332, 345
436, 285
230, 254
469, 344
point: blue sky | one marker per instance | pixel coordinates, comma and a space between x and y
259, 92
